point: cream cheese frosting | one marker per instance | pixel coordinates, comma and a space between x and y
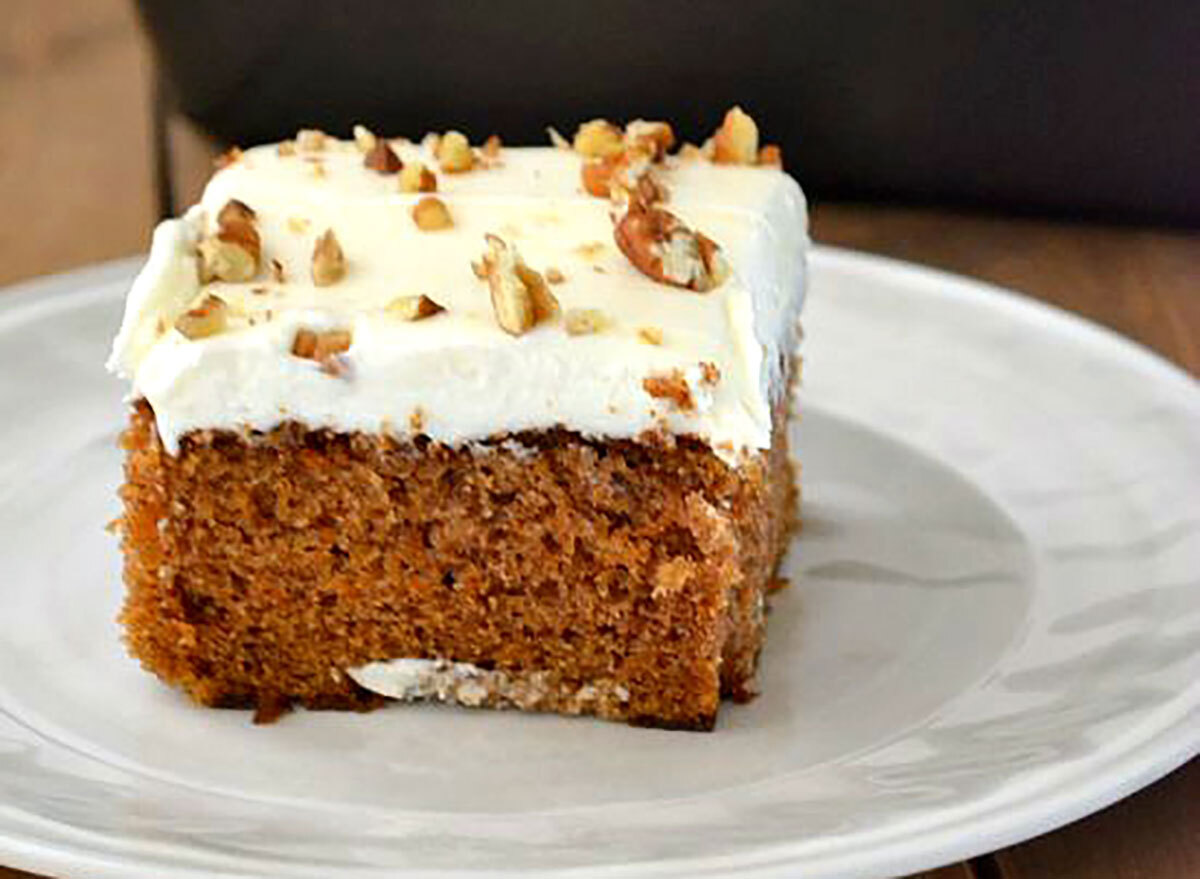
458, 377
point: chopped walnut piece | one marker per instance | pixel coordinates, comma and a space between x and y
520, 297
382, 158
231, 156
554, 276
656, 138
453, 153
207, 319
585, 321
310, 140
671, 386
771, 155
431, 214
415, 177
598, 138
416, 420
364, 138
323, 347
650, 335
736, 141
412, 308
328, 261
664, 249
285, 148
491, 147
277, 273
709, 374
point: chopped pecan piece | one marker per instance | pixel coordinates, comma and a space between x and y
664, 249
412, 308
328, 261
670, 386
364, 138
207, 319
431, 214
736, 141
520, 297
232, 254
415, 177
323, 347
382, 158
598, 138
585, 321
650, 335
656, 138
453, 153
231, 156
310, 140
771, 155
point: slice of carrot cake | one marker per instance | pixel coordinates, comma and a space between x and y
493, 426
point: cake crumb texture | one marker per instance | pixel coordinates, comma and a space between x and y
620, 578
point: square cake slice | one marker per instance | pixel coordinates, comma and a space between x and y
500, 427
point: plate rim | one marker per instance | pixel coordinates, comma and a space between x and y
1118, 773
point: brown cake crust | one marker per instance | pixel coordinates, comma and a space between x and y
620, 578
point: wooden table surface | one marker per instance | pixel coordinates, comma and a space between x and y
76, 186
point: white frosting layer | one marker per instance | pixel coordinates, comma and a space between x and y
465, 377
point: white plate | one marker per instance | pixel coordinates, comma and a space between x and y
994, 628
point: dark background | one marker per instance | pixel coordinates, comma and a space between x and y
1063, 108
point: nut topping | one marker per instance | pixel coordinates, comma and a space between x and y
412, 308
771, 155
310, 140
664, 249
453, 153
554, 276
364, 138
382, 158
656, 138
207, 319
671, 386
585, 321
520, 297
415, 177
232, 254
599, 139
231, 156
736, 141
431, 214
491, 147
323, 347
650, 335
328, 261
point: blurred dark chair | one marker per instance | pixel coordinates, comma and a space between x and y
1086, 109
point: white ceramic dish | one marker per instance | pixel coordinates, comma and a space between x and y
994, 628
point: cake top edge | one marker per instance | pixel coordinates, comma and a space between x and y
610, 283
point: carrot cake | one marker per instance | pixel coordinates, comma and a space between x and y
494, 426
